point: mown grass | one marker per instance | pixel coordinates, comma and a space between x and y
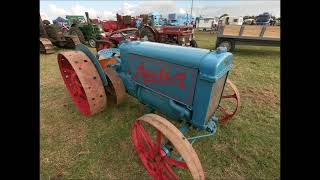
99, 147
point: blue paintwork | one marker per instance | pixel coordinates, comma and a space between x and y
152, 73
179, 55
108, 52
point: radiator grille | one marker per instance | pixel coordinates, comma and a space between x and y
216, 93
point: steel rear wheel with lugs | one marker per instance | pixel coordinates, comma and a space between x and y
77, 32
82, 81
163, 148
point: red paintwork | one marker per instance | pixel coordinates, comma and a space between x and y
115, 37
161, 77
109, 25
169, 66
121, 24
155, 160
102, 44
177, 30
227, 115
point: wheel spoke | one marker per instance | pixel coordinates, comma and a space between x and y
159, 171
176, 162
158, 145
224, 111
154, 159
144, 135
170, 172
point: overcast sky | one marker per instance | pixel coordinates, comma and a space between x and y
106, 10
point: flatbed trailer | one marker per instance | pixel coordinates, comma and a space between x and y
229, 35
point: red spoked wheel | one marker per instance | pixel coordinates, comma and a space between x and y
235, 96
158, 143
82, 81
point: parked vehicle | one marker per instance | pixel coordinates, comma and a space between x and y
114, 38
85, 29
264, 19
229, 35
231, 20
158, 30
249, 22
53, 34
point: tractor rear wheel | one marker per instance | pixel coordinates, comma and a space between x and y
227, 43
76, 31
83, 82
54, 32
193, 43
71, 41
148, 34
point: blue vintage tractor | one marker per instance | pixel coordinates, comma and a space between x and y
187, 85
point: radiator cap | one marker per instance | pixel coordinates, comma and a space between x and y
221, 50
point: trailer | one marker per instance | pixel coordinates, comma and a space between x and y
229, 35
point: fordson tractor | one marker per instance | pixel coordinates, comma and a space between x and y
85, 29
186, 85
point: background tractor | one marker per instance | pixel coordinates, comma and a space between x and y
114, 38
52, 34
85, 29
157, 29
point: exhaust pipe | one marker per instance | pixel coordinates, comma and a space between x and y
87, 16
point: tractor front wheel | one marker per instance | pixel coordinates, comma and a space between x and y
163, 148
230, 99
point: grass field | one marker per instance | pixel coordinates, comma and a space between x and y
99, 147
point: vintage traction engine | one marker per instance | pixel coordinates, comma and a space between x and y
183, 83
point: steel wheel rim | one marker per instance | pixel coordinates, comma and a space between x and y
74, 86
82, 81
153, 157
235, 96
